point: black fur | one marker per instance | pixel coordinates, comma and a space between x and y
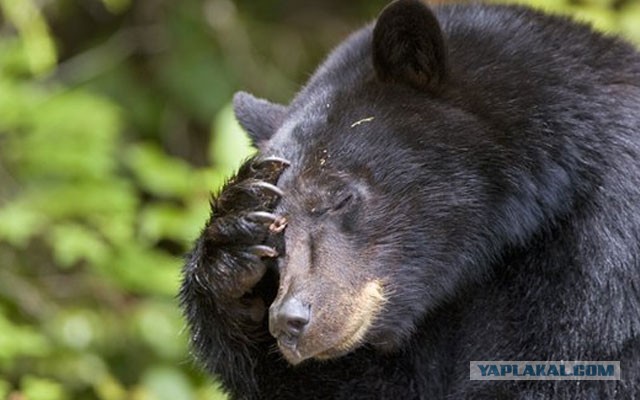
503, 210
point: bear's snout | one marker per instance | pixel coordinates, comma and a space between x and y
287, 321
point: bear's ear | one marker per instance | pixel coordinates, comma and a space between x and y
259, 118
409, 47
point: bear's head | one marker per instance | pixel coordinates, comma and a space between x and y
376, 203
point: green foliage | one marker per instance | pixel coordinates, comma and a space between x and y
39, 53
94, 222
19, 340
115, 125
611, 16
230, 144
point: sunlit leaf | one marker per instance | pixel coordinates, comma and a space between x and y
20, 341
18, 102
27, 18
109, 198
19, 222
157, 172
35, 388
553, 6
630, 21
230, 145
110, 389
211, 392
168, 384
73, 243
117, 6
600, 18
143, 270
161, 326
5, 387
74, 135
168, 221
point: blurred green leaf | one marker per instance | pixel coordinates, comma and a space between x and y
142, 270
27, 18
553, 6
158, 173
110, 389
167, 384
166, 220
83, 199
117, 6
73, 135
211, 392
159, 326
18, 102
35, 388
5, 387
599, 3
73, 243
230, 145
600, 18
13, 60
630, 21
76, 329
19, 222
19, 341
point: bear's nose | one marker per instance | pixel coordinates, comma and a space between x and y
288, 320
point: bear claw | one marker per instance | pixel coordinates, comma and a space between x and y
261, 250
269, 187
262, 216
272, 159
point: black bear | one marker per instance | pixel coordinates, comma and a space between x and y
451, 185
